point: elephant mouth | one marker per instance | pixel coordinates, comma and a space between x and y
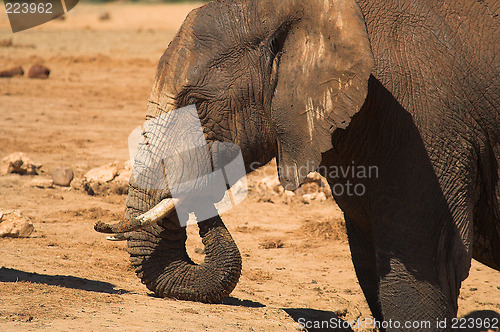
160, 211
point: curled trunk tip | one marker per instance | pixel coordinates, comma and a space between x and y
161, 261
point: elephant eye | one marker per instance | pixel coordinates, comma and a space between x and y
275, 48
277, 40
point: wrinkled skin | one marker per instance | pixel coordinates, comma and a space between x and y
410, 88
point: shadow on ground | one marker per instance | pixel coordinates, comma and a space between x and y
317, 320
241, 303
311, 320
479, 320
13, 275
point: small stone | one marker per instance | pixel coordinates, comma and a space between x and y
6, 42
278, 189
102, 174
77, 183
42, 183
15, 71
103, 16
270, 181
314, 182
62, 176
271, 244
13, 224
38, 71
307, 198
200, 251
19, 163
309, 188
321, 196
289, 193
267, 184
265, 199
312, 177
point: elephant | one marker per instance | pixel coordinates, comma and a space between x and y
411, 88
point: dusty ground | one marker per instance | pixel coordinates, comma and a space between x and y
66, 276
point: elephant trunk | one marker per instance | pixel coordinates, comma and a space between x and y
158, 253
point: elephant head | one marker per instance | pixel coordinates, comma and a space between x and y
275, 78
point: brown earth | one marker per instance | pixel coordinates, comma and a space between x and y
296, 261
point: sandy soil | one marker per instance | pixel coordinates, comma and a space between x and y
66, 276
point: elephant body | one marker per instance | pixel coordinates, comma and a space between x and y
409, 87
432, 112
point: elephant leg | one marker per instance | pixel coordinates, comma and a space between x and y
486, 245
412, 303
364, 261
422, 258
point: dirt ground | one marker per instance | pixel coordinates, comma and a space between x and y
296, 260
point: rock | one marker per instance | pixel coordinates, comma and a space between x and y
42, 183
103, 16
90, 187
6, 42
289, 193
119, 188
77, 183
120, 183
13, 224
278, 188
62, 176
267, 185
19, 163
307, 198
105, 180
39, 71
123, 176
269, 243
315, 183
321, 196
326, 188
265, 199
15, 71
270, 181
308, 188
102, 174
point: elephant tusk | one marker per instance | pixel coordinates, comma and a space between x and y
117, 237
160, 211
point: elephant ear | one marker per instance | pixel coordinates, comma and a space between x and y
322, 82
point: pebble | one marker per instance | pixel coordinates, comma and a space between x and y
307, 198
15, 71
19, 163
321, 196
38, 71
103, 16
62, 176
13, 224
42, 183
